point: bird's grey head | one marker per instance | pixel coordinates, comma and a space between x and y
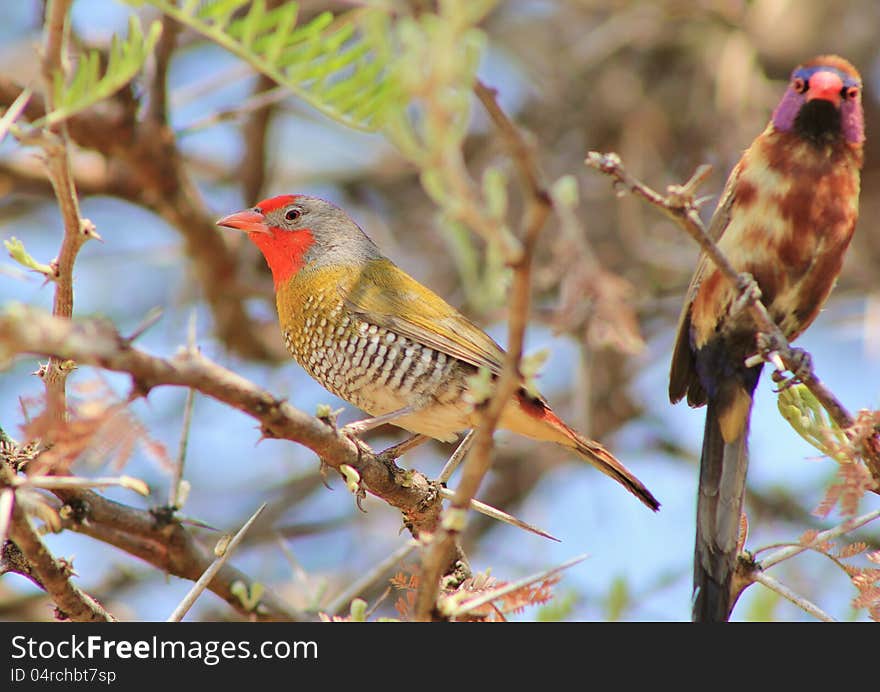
337, 239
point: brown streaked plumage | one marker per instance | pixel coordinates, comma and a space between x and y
786, 216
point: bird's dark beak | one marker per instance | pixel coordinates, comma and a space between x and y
248, 221
827, 86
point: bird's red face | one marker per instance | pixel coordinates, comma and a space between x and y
276, 227
823, 100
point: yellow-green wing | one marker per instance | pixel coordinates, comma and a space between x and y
388, 297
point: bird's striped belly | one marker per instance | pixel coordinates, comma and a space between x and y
381, 372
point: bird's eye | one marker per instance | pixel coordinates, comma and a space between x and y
852, 93
799, 85
293, 214
257, 210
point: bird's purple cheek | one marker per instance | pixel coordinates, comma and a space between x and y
852, 122
787, 110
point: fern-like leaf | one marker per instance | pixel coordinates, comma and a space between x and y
325, 62
88, 86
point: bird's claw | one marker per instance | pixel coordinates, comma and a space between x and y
322, 470
801, 367
360, 492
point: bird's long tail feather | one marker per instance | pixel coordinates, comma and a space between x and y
608, 464
723, 467
533, 418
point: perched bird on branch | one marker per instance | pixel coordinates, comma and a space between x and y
786, 217
374, 336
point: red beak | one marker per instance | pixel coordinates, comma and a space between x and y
248, 221
827, 86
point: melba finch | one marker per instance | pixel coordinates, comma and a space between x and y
786, 217
374, 336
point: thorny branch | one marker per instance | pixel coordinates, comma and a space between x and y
95, 342
750, 570
76, 230
438, 558
170, 547
156, 538
680, 205
53, 575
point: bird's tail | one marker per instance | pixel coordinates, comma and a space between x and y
723, 467
534, 418
608, 464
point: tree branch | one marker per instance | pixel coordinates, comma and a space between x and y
439, 555
95, 342
53, 575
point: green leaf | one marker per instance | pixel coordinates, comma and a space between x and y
87, 86
330, 62
17, 251
805, 414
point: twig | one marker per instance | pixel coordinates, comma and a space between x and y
7, 500
373, 575
174, 494
258, 106
169, 546
54, 576
68, 482
457, 457
458, 609
76, 230
788, 594
158, 112
439, 555
847, 526
222, 556
12, 113
680, 205
153, 315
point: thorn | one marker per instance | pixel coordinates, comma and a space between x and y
153, 315
500, 515
87, 228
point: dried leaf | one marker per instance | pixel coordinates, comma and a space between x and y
852, 549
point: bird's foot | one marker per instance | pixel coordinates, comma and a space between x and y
354, 482
801, 367
769, 345
749, 292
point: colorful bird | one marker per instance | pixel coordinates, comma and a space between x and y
374, 336
786, 217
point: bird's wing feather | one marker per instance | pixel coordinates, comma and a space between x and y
682, 376
388, 297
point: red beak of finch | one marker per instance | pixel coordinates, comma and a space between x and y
247, 221
827, 86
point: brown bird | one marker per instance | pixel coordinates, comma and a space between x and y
374, 336
786, 217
